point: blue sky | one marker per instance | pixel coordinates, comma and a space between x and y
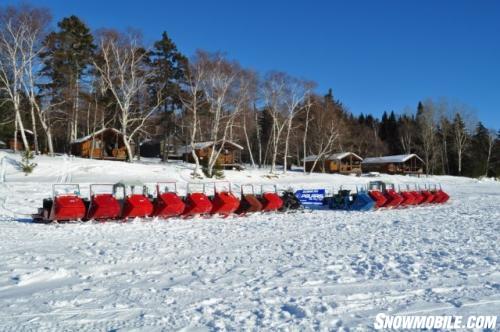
376, 55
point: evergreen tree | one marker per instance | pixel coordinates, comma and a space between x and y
67, 58
475, 162
169, 68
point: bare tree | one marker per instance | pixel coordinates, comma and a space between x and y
295, 92
324, 132
461, 127
122, 69
492, 136
192, 100
32, 77
283, 96
307, 109
273, 93
16, 28
427, 131
226, 87
407, 131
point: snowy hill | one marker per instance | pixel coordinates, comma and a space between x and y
320, 270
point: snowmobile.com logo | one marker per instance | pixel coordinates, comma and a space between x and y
389, 322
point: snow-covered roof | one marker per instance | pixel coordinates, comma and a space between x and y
204, 145
86, 138
334, 156
2, 143
400, 158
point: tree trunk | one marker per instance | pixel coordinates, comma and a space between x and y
33, 125
259, 143
304, 140
76, 105
126, 141
15, 135
490, 148
23, 133
459, 161
248, 140
285, 159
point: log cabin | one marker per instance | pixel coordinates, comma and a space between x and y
343, 163
398, 164
229, 158
106, 143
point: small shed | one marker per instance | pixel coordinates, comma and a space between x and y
230, 156
343, 163
157, 148
398, 164
30, 137
106, 143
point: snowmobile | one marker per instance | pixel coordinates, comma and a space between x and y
167, 202
249, 202
359, 201
196, 203
224, 202
290, 201
64, 205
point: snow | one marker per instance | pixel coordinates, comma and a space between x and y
335, 156
401, 158
86, 138
203, 145
321, 270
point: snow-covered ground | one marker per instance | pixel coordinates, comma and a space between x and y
323, 270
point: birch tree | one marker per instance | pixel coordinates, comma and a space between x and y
273, 93
32, 78
460, 138
15, 25
225, 86
248, 91
191, 97
283, 96
295, 92
324, 132
427, 131
122, 68
492, 136
307, 110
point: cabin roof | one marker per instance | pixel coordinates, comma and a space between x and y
88, 137
204, 145
400, 158
334, 156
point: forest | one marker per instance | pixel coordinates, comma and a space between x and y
60, 81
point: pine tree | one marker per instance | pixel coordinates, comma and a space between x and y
169, 68
67, 58
475, 164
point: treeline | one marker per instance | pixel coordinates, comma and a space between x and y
69, 82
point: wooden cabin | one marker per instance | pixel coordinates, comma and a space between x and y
399, 164
30, 137
106, 143
343, 163
230, 156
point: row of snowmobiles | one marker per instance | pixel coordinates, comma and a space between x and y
124, 201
